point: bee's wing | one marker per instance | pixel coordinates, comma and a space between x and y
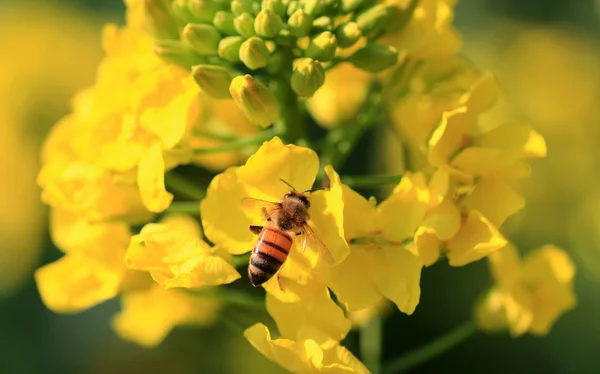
268, 207
315, 243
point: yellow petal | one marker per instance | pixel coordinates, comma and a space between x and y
148, 316
505, 309
476, 239
486, 162
427, 246
78, 281
449, 136
444, 220
175, 259
151, 180
359, 214
549, 273
353, 291
516, 137
505, 266
397, 274
483, 94
316, 315
403, 211
495, 200
438, 187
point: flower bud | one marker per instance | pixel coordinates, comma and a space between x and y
308, 77
375, 19
293, 6
239, 7
267, 24
315, 7
254, 53
322, 23
277, 6
229, 48
284, 38
256, 101
374, 57
223, 21
213, 80
244, 25
347, 33
160, 21
349, 6
300, 23
275, 65
177, 53
181, 10
322, 47
203, 10
203, 38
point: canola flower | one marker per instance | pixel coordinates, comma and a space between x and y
199, 104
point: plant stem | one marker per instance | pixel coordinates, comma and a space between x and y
190, 207
182, 186
231, 296
371, 180
432, 349
237, 144
291, 123
370, 343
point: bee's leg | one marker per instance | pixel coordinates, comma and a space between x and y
255, 229
279, 281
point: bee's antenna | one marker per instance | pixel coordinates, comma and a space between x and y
315, 189
289, 185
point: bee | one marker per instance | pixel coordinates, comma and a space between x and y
285, 219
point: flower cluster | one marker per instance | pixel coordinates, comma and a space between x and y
191, 82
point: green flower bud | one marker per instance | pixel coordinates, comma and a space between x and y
244, 25
322, 23
267, 24
229, 48
308, 77
300, 23
203, 38
256, 101
347, 33
349, 6
181, 10
161, 22
223, 21
322, 47
374, 57
177, 53
315, 7
203, 10
375, 19
239, 7
213, 80
254, 53
284, 38
293, 6
277, 6
275, 63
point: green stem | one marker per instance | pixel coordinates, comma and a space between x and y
180, 185
237, 144
371, 180
232, 297
190, 207
370, 344
291, 124
432, 349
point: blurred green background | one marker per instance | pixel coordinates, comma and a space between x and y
546, 54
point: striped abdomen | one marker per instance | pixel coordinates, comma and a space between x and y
268, 255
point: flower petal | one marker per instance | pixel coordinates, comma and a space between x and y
148, 316
495, 200
444, 220
427, 246
403, 211
516, 137
316, 315
151, 180
397, 273
487, 162
476, 239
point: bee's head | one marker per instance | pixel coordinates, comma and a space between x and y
298, 196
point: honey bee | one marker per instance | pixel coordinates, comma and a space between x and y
286, 219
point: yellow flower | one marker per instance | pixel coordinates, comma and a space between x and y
175, 256
92, 269
151, 180
380, 263
304, 356
529, 295
339, 99
148, 316
226, 222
